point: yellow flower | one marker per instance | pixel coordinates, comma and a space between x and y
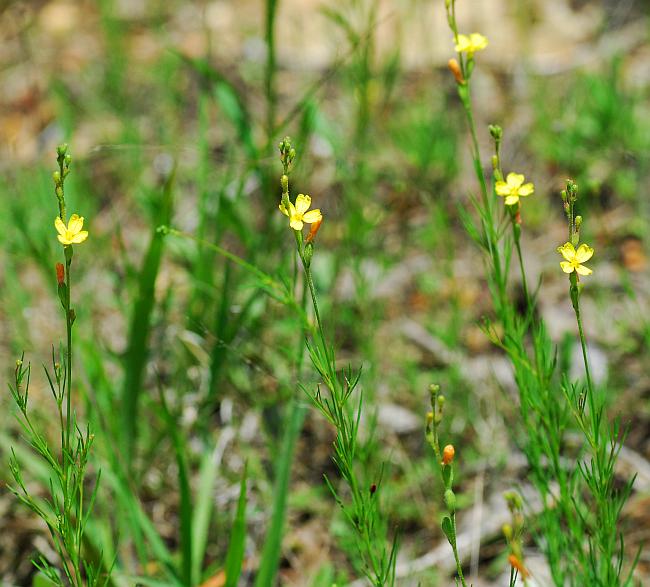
471, 43
71, 234
298, 214
575, 258
514, 188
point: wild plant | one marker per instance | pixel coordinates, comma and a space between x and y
360, 503
71, 494
444, 460
578, 527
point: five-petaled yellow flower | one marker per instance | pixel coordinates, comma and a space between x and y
298, 213
514, 188
575, 258
471, 43
71, 234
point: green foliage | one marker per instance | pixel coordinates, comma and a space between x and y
591, 113
578, 499
200, 330
235, 556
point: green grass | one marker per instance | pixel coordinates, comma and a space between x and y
190, 358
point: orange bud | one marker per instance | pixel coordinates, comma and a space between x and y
515, 563
313, 230
448, 454
60, 273
455, 69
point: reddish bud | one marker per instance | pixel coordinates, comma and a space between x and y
455, 69
515, 563
448, 454
60, 273
313, 230
373, 488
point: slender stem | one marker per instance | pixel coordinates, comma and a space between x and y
312, 291
524, 282
269, 81
467, 104
459, 568
583, 344
68, 381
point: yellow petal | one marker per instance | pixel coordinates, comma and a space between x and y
302, 204
566, 266
296, 224
312, 216
478, 41
584, 253
462, 43
75, 224
283, 209
527, 189
63, 239
60, 227
582, 270
501, 188
511, 200
567, 251
515, 179
80, 237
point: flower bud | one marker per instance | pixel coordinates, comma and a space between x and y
448, 454
308, 254
515, 563
60, 273
56, 176
507, 532
578, 222
496, 132
313, 230
450, 500
454, 67
284, 182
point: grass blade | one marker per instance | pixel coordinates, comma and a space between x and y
235, 556
272, 545
140, 324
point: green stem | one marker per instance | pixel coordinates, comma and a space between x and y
476, 152
524, 283
68, 379
583, 344
314, 301
459, 568
271, 11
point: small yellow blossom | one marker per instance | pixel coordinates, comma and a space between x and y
298, 213
71, 234
575, 258
514, 188
471, 43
